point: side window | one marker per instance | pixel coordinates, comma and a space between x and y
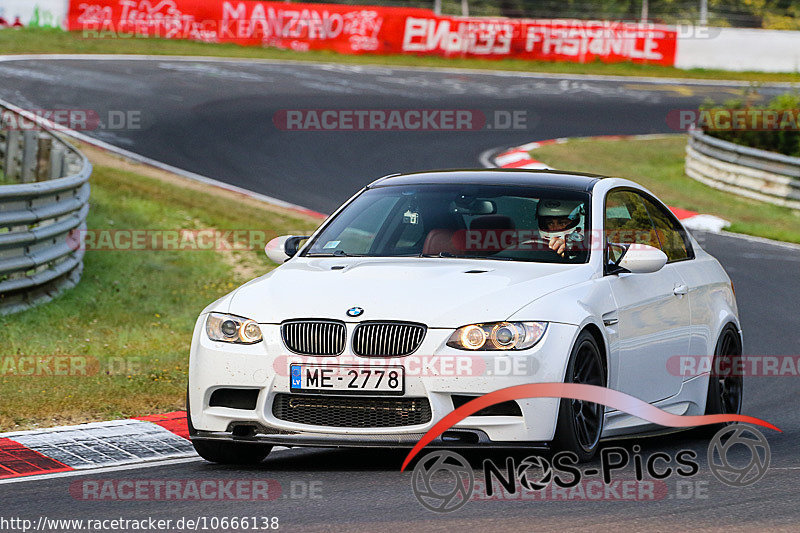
673, 238
627, 221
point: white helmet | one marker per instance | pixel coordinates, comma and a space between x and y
547, 210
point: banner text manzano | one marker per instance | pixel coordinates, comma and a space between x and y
375, 29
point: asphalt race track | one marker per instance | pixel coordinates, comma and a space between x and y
216, 119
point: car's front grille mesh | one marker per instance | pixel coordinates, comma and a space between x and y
336, 411
381, 339
314, 337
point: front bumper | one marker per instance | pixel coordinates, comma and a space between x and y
434, 372
454, 439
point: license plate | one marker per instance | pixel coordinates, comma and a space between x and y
347, 379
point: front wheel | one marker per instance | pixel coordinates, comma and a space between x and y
580, 423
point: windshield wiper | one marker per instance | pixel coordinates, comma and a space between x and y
459, 256
335, 253
440, 254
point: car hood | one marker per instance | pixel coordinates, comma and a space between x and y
444, 293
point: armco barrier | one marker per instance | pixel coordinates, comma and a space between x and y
758, 174
44, 196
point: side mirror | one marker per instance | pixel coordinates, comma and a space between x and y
638, 259
281, 249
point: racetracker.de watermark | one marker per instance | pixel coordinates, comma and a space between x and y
746, 119
200, 490
735, 366
495, 240
524, 240
399, 120
29, 366
418, 365
97, 240
175, 490
71, 119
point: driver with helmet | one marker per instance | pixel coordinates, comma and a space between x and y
561, 224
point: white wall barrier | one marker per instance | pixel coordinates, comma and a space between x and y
739, 49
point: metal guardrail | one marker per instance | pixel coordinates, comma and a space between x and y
758, 174
44, 200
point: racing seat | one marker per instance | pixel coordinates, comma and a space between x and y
440, 240
444, 234
488, 224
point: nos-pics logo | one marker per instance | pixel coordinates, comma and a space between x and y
443, 481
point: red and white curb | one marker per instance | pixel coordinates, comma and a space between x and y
94, 445
519, 157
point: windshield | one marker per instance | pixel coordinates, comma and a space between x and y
474, 221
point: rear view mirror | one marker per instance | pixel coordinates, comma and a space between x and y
281, 249
473, 207
636, 258
483, 207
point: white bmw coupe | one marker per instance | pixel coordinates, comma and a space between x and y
427, 290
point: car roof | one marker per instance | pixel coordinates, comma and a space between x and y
572, 181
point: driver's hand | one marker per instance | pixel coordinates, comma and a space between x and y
558, 245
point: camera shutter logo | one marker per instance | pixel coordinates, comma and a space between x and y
739, 436
450, 495
528, 473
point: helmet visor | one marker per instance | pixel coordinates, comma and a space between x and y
557, 223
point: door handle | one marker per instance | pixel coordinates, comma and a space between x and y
680, 290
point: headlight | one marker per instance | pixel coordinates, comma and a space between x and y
230, 328
497, 336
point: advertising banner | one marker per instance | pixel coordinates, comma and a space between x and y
377, 30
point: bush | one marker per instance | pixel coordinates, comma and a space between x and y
784, 139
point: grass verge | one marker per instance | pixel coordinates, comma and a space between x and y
658, 164
48, 41
130, 320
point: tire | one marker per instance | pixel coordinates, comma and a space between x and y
725, 393
580, 424
224, 452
